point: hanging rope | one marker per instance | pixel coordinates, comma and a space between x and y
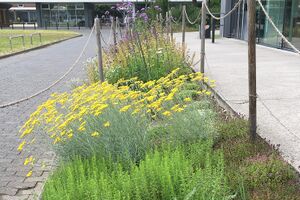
109, 39
224, 16
276, 29
187, 17
55, 82
176, 21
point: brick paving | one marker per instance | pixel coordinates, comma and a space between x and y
21, 76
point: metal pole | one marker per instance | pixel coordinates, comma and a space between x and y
40, 38
99, 53
252, 68
183, 30
10, 43
213, 30
203, 22
23, 41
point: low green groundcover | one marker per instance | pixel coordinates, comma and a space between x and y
190, 172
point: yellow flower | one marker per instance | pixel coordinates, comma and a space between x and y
208, 93
70, 135
106, 124
167, 113
135, 111
187, 99
151, 98
43, 165
21, 146
26, 132
175, 107
125, 108
28, 160
95, 134
29, 173
57, 139
82, 126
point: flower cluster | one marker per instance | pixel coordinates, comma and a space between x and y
65, 114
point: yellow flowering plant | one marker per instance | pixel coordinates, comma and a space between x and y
106, 119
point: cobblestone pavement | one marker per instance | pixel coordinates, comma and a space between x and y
21, 76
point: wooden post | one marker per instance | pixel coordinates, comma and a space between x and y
119, 27
99, 53
167, 24
114, 33
252, 68
183, 30
203, 22
170, 24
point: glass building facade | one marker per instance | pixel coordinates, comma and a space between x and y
64, 14
284, 13
56, 14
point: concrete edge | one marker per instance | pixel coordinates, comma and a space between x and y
38, 47
220, 101
285, 51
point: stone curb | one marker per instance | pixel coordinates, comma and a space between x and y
38, 47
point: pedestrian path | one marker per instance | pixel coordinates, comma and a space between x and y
21, 76
278, 87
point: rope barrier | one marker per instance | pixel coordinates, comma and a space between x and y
276, 29
224, 16
179, 18
109, 39
188, 19
57, 81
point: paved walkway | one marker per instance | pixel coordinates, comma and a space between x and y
21, 76
278, 86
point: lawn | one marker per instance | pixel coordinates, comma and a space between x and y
48, 36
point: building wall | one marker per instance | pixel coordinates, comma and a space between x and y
284, 13
4, 18
89, 12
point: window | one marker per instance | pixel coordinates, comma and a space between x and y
20, 5
79, 6
45, 6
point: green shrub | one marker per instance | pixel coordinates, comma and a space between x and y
188, 126
125, 139
168, 174
147, 55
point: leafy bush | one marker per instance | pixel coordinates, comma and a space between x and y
148, 56
167, 174
193, 124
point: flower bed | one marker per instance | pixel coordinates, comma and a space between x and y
152, 132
